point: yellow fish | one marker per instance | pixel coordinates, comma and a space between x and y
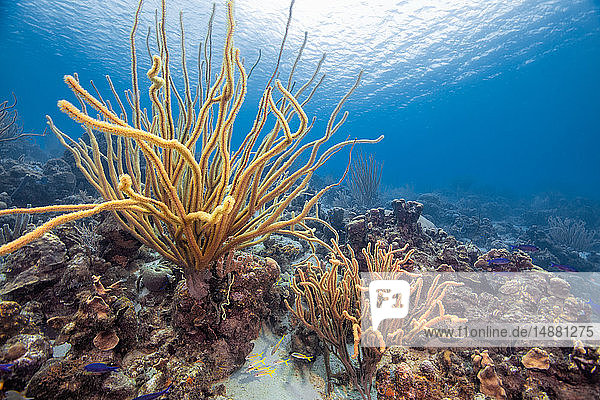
255, 355
266, 371
277, 345
255, 363
302, 356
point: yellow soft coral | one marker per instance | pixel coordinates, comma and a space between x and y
196, 200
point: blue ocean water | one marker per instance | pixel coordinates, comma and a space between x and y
502, 94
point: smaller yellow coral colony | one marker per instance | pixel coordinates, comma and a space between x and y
331, 306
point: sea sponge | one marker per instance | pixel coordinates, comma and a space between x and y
482, 359
536, 358
106, 340
491, 384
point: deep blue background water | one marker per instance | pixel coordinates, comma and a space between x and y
504, 94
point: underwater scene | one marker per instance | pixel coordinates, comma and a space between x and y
260, 199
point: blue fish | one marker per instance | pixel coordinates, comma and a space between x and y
525, 247
99, 368
152, 396
6, 367
498, 261
564, 268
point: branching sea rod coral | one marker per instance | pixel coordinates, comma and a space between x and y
9, 126
365, 175
329, 303
8, 120
196, 199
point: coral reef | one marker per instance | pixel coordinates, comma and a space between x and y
12, 321
518, 261
417, 374
471, 374
27, 353
433, 246
221, 325
193, 247
155, 276
34, 183
282, 249
200, 342
193, 208
123, 305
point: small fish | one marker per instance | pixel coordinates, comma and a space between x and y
99, 368
14, 395
498, 261
282, 361
301, 356
525, 247
564, 268
276, 347
6, 367
156, 395
249, 370
255, 355
256, 363
266, 371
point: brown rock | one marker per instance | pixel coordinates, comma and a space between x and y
482, 359
97, 305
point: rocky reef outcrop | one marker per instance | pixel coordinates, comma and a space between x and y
99, 297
